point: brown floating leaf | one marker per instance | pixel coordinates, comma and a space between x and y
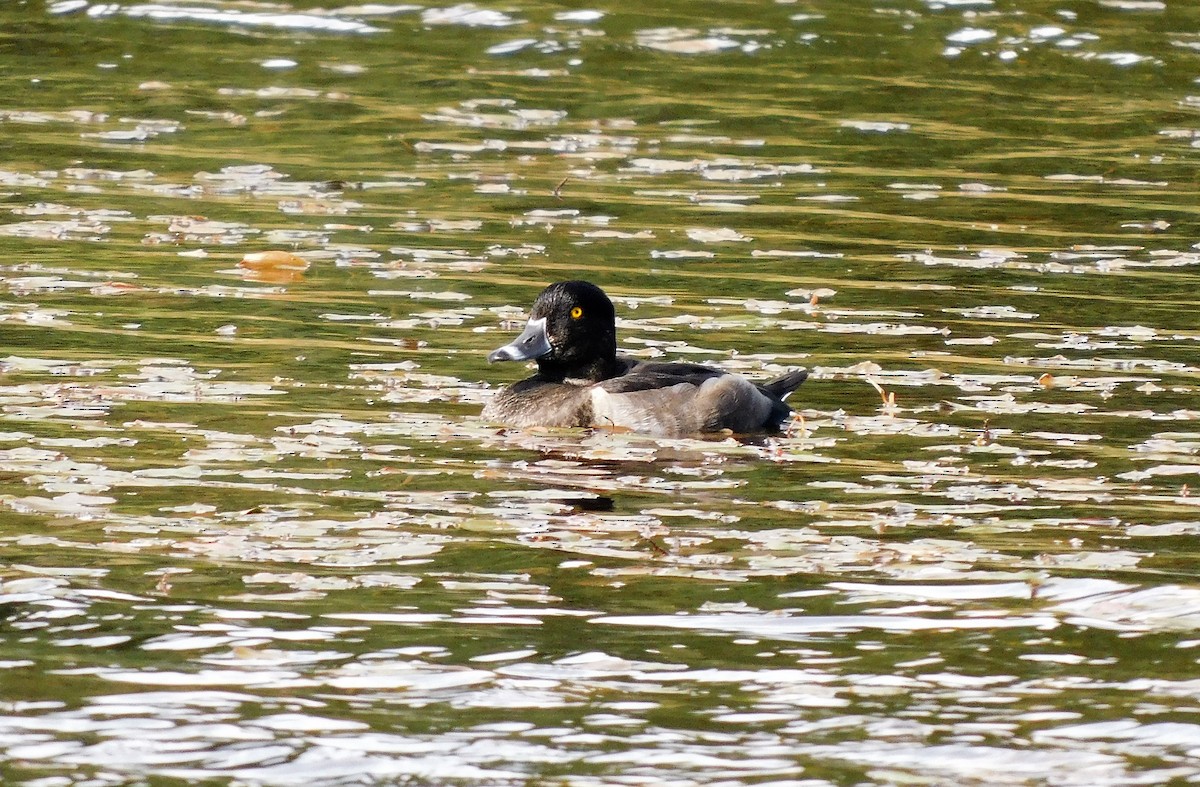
274, 267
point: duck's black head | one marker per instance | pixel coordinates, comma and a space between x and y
572, 333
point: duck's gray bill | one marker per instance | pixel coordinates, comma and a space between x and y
532, 343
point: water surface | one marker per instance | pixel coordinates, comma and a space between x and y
255, 532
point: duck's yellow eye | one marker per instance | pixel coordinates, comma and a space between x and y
576, 313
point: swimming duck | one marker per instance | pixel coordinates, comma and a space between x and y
581, 381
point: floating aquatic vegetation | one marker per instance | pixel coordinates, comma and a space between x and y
467, 14
880, 126
724, 235
141, 131
199, 229
65, 116
690, 41
728, 169
475, 114
86, 229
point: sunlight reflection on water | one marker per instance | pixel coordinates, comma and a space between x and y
255, 530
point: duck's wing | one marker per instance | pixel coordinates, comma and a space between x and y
641, 376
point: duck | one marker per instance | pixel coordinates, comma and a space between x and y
581, 381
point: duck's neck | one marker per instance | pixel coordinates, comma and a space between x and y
593, 371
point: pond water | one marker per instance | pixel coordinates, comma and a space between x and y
254, 531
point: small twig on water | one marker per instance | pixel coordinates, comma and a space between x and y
658, 548
888, 397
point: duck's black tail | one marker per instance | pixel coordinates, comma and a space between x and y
781, 386
778, 389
